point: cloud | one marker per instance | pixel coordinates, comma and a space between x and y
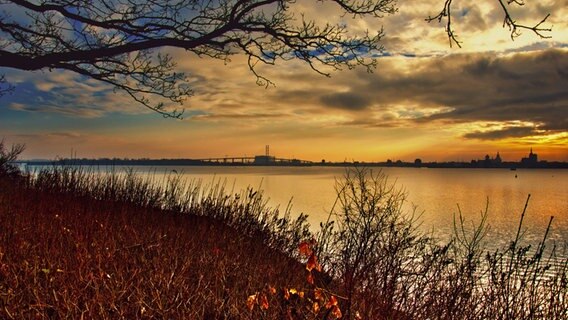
512, 132
218, 85
432, 91
346, 101
48, 135
73, 111
66, 93
405, 92
526, 87
237, 116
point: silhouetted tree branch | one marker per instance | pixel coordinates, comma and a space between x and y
113, 41
116, 41
508, 21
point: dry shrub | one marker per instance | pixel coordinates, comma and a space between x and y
79, 245
387, 269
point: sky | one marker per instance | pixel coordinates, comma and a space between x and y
424, 100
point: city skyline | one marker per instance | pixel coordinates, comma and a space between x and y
531, 160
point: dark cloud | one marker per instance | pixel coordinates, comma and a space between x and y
512, 132
525, 87
346, 100
529, 87
296, 96
460, 88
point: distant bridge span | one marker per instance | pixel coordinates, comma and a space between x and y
254, 160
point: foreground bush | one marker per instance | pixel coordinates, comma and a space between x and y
387, 269
76, 256
7, 158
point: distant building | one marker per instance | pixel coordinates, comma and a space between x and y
488, 162
531, 160
497, 159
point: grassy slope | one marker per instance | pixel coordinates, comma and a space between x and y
63, 256
72, 258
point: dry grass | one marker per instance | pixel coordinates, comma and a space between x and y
387, 269
76, 244
64, 256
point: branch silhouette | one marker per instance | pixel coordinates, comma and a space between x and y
508, 21
115, 41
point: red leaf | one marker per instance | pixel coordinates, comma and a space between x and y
310, 278
272, 290
331, 303
336, 312
305, 249
313, 263
318, 294
263, 302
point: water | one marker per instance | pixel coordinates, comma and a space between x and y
435, 192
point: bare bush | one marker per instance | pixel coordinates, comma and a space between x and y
385, 268
8, 156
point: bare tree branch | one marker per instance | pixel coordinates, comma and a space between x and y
508, 21
515, 27
115, 41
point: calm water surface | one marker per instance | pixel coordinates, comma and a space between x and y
435, 192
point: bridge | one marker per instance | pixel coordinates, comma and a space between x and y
264, 160
256, 160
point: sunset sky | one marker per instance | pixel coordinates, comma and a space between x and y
424, 100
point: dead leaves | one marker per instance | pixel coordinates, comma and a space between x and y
321, 300
313, 263
257, 299
251, 301
305, 249
310, 278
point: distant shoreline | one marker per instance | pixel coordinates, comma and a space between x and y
195, 162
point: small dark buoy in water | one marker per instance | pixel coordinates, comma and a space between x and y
515, 176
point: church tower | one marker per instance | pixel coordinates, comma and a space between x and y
498, 158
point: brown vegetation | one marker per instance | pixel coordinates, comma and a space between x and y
388, 269
64, 256
78, 244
